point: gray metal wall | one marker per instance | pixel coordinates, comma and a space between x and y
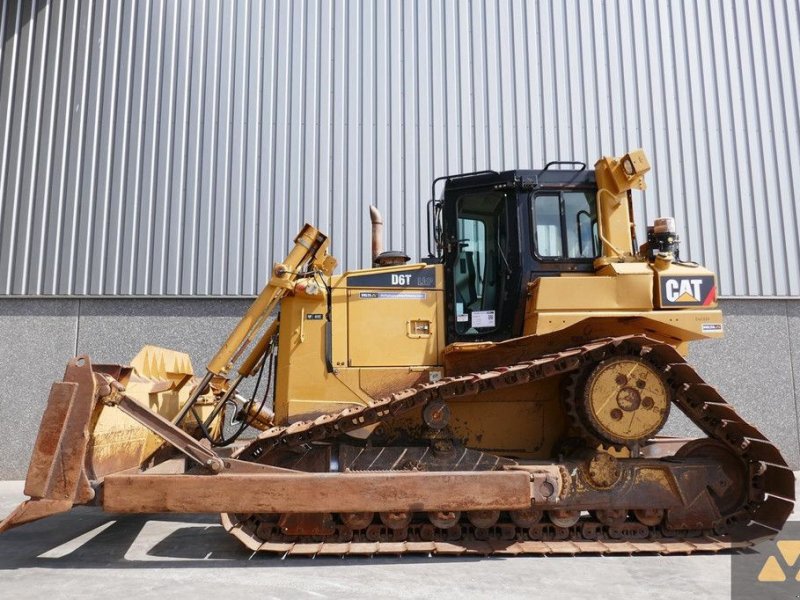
175, 147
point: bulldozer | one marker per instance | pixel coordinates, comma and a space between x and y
504, 395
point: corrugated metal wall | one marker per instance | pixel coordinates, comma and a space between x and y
163, 147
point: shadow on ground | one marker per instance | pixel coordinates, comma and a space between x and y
87, 538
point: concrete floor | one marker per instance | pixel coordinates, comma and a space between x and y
87, 553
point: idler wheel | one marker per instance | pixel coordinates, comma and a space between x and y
625, 401
729, 491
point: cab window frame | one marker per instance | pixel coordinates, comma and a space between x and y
564, 257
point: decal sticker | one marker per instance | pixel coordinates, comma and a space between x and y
395, 295
314, 316
412, 278
462, 318
688, 291
483, 318
712, 327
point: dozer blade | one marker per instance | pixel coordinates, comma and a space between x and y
56, 477
33, 510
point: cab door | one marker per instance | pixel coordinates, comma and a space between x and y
481, 264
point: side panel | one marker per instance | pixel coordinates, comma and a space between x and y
395, 316
623, 296
592, 292
304, 388
386, 336
393, 328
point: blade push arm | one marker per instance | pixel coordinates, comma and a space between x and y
310, 249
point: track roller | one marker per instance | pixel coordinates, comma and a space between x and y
444, 519
526, 518
613, 516
483, 519
396, 520
649, 516
564, 518
357, 520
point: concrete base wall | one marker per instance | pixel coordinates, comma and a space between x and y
756, 366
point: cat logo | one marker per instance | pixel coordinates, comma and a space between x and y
683, 290
772, 571
688, 291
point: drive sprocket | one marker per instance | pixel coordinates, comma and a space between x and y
621, 401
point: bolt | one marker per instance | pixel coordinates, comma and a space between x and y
214, 464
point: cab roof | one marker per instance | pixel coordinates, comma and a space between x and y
523, 178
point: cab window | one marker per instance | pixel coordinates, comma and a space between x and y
565, 225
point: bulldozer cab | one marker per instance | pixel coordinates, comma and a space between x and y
497, 232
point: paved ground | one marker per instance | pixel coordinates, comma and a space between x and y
87, 553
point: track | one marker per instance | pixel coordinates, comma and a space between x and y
769, 499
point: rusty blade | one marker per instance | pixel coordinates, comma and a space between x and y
32, 510
45, 476
56, 467
56, 478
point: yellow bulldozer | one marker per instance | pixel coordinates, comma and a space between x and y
503, 395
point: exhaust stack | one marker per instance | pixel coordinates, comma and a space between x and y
379, 257
377, 232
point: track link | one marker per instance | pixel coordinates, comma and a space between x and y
770, 497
